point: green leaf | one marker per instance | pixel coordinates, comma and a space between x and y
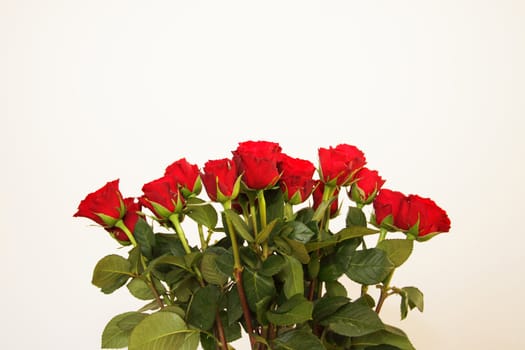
234, 305
203, 307
397, 250
145, 238
335, 289
343, 235
298, 231
232, 331
241, 228
265, 233
389, 336
224, 262
297, 340
321, 209
140, 289
414, 297
117, 331
327, 306
298, 250
256, 286
168, 243
353, 320
355, 217
201, 213
295, 310
330, 269
305, 215
344, 252
111, 273
163, 330
209, 269
272, 265
274, 204
178, 261
292, 276
369, 266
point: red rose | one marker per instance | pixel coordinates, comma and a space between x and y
162, 197
104, 206
130, 220
386, 206
338, 165
296, 178
367, 184
257, 162
220, 179
186, 175
424, 213
318, 199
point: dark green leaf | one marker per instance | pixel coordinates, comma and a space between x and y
355, 217
256, 287
208, 342
298, 250
335, 289
297, 340
327, 306
391, 336
232, 332
202, 213
209, 269
369, 266
272, 265
305, 215
224, 262
330, 269
343, 235
140, 289
261, 307
163, 330
234, 306
168, 244
203, 307
274, 204
145, 238
241, 228
397, 250
344, 252
298, 231
111, 273
353, 320
117, 331
295, 310
292, 276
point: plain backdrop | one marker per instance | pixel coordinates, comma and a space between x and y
432, 91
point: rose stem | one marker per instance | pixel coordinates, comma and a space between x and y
174, 218
220, 330
262, 213
237, 270
384, 292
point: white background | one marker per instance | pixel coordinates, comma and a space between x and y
432, 91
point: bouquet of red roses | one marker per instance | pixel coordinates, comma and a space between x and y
268, 261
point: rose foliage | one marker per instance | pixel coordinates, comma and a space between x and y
266, 258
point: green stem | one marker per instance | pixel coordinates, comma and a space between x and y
384, 292
288, 211
174, 218
120, 224
204, 243
382, 235
235, 247
262, 213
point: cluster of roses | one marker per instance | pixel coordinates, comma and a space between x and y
260, 165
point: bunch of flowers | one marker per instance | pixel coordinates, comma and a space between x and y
268, 260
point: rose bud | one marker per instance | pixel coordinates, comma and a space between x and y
162, 197
296, 179
257, 163
104, 206
186, 175
421, 216
366, 185
318, 199
130, 220
220, 180
337, 166
386, 207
